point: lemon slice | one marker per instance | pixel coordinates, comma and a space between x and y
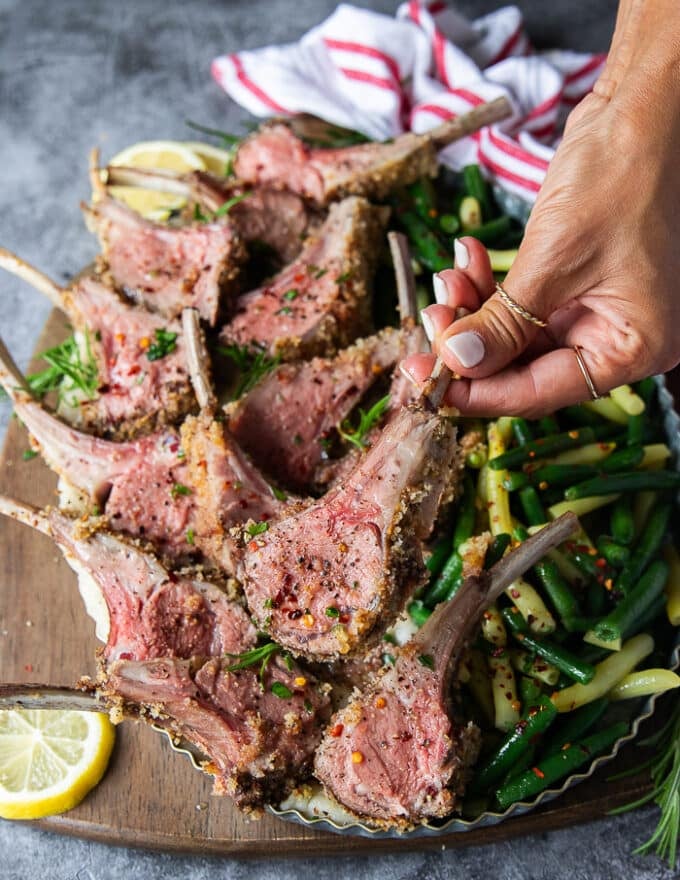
50, 759
216, 160
163, 155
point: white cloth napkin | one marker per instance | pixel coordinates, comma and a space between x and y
383, 76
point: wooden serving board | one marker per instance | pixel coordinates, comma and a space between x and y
151, 796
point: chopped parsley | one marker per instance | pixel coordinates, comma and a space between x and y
190, 536
426, 660
344, 277
291, 294
28, 454
284, 310
280, 690
367, 420
315, 271
279, 494
331, 611
257, 528
179, 489
165, 344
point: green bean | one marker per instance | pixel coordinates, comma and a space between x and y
579, 415
554, 767
596, 599
621, 523
448, 582
636, 429
429, 250
515, 480
477, 457
559, 592
623, 459
440, 553
645, 549
553, 475
579, 623
526, 759
542, 448
529, 691
548, 425
646, 388
418, 612
564, 660
465, 519
532, 506
522, 431
476, 185
449, 224
492, 232
641, 623
634, 604
496, 549
575, 725
633, 481
519, 738
616, 554
470, 213
592, 565
423, 199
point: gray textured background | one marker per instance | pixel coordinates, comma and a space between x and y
75, 74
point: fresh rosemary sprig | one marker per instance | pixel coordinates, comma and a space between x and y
251, 365
70, 369
261, 655
367, 420
665, 773
205, 216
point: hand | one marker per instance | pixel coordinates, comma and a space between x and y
600, 262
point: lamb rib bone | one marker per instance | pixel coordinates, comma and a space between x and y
414, 755
274, 156
164, 268
135, 395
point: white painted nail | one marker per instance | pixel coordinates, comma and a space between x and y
441, 294
461, 254
467, 347
428, 326
405, 373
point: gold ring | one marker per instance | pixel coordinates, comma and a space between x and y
585, 372
516, 307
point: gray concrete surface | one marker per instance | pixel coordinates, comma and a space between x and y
75, 74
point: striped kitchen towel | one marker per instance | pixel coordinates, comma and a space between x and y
383, 75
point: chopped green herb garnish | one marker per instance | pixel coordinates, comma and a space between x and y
331, 611
227, 138
251, 365
165, 344
268, 602
297, 440
367, 420
284, 310
291, 294
261, 655
426, 660
307, 705
190, 536
388, 659
257, 528
390, 637
179, 489
280, 690
28, 454
288, 660
199, 216
72, 368
181, 453
229, 204
344, 277
279, 494
315, 271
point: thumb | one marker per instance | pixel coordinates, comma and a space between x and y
495, 335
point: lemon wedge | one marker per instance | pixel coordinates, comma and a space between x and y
163, 155
216, 160
50, 759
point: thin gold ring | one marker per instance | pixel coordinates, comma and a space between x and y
585, 372
516, 307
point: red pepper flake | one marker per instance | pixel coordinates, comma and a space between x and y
380, 702
134, 369
601, 562
144, 342
538, 772
299, 277
608, 584
337, 729
516, 705
543, 485
120, 338
574, 435
252, 546
566, 746
532, 454
28, 667
357, 758
514, 594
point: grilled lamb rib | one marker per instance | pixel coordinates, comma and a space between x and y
274, 156
166, 269
148, 612
321, 301
135, 395
397, 754
276, 218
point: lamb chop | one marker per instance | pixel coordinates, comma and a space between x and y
142, 385
276, 218
321, 301
141, 610
165, 268
164, 661
398, 754
274, 156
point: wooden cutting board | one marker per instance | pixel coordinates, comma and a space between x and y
150, 795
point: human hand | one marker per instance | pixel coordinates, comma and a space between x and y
600, 263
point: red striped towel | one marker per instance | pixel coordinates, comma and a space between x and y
383, 76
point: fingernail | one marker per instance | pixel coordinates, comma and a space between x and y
467, 347
405, 373
428, 326
441, 294
461, 254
